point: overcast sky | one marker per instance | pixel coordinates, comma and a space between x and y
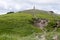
17, 5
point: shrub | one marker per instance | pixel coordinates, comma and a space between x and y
10, 12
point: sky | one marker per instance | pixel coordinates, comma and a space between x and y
19, 5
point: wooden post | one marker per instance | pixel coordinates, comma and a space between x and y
34, 14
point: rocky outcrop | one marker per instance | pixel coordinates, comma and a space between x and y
40, 22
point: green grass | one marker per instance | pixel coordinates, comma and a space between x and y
16, 26
18, 23
49, 36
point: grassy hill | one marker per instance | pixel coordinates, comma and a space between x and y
16, 25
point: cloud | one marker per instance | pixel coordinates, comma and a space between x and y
9, 5
17, 5
44, 1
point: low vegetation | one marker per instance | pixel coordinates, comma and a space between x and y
16, 26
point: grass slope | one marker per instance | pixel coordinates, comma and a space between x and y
16, 25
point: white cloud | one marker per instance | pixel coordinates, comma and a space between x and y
16, 5
3, 4
45, 1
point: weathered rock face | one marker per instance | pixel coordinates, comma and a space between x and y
40, 22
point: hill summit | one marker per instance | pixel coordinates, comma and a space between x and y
19, 24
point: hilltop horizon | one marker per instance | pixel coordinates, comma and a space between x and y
28, 10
